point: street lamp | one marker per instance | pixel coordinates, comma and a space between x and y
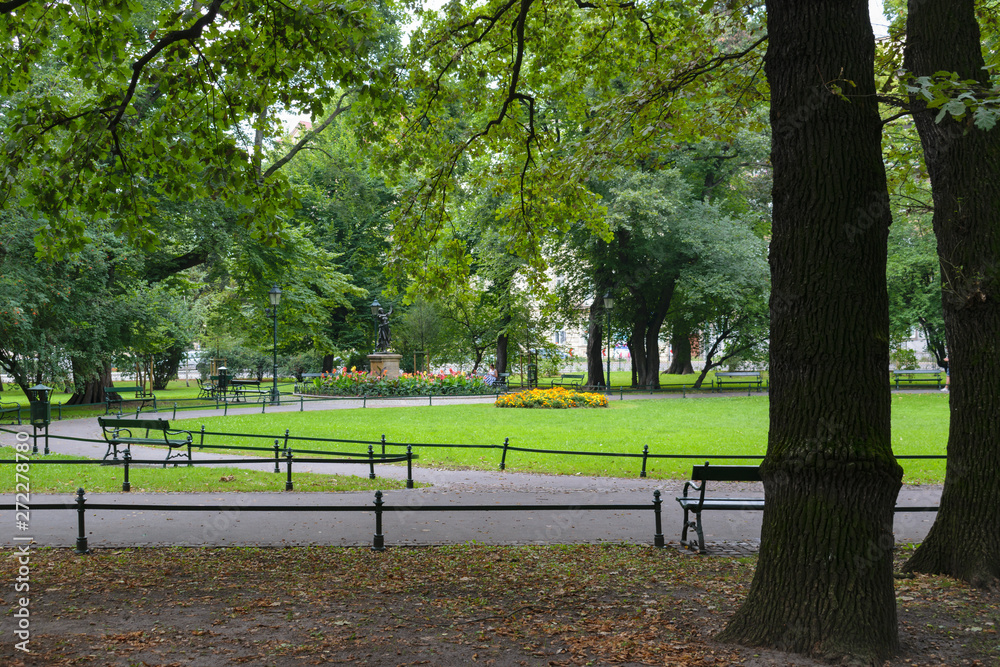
274, 296
376, 306
609, 303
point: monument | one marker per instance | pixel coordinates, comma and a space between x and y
383, 362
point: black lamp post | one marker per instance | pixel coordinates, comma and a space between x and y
609, 303
376, 306
274, 296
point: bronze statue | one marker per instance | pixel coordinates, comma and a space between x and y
384, 338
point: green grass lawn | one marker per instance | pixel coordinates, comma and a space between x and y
706, 425
67, 478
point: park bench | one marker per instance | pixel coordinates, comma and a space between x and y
126, 432
10, 411
246, 390
503, 381
307, 380
746, 379
918, 375
114, 396
569, 380
694, 505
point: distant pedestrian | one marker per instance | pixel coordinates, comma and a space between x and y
947, 375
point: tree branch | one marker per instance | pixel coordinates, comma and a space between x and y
189, 34
309, 136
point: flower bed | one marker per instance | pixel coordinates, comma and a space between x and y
344, 382
557, 397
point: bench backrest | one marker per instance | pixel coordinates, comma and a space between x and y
723, 473
575, 376
737, 374
148, 424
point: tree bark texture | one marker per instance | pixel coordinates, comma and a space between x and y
595, 341
964, 167
823, 584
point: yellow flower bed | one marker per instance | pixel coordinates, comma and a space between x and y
556, 397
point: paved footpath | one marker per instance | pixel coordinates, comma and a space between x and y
414, 516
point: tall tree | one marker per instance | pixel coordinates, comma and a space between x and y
963, 161
823, 584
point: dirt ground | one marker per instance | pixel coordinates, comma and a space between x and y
442, 606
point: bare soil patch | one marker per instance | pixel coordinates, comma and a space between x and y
442, 606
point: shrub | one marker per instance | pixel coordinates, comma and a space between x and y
556, 397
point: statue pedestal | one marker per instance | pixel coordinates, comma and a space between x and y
384, 363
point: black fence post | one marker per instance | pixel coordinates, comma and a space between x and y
81, 533
302, 404
371, 462
263, 406
645, 453
277, 456
127, 457
658, 536
286, 438
154, 399
378, 542
364, 400
174, 415
383, 445
225, 409
503, 457
288, 461
409, 466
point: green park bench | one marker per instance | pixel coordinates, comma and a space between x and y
919, 375
114, 396
569, 380
744, 379
11, 411
156, 432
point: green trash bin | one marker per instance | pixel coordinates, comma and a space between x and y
41, 406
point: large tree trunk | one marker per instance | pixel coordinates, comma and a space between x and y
595, 339
89, 390
823, 584
964, 167
503, 341
644, 340
680, 364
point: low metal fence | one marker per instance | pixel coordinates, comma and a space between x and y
285, 444
127, 464
379, 507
